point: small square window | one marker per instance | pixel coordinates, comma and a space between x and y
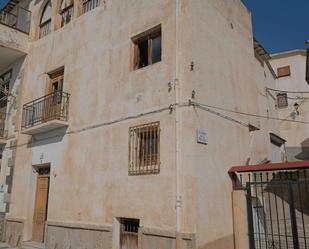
282, 100
147, 47
144, 149
283, 71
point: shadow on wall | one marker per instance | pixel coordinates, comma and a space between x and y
51, 137
299, 185
298, 153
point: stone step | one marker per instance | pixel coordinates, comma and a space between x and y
32, 245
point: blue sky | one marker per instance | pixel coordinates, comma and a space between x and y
2, 3
280, 25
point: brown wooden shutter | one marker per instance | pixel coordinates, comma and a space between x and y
136, 56
284, 71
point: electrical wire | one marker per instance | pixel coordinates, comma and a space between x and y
283, 91
247, 114
169, 108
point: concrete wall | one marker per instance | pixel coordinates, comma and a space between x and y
13, 39
228, 77
14, 232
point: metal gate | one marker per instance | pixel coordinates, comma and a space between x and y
278, 210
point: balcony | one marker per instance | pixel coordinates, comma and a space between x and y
14, 30
19, 21
46, 114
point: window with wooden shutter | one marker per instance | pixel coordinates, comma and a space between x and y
144, 149
283, 71
147, 47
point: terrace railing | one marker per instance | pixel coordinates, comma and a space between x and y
54, 106
19, 21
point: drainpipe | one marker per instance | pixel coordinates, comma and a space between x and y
177, 123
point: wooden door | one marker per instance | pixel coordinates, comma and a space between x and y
129, 235
40, 208
52, 109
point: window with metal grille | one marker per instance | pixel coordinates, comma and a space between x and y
66, 11
89, 5
282, 100
129, 225
45, 22
144, 149
147, 47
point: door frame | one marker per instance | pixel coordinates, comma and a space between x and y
37, 169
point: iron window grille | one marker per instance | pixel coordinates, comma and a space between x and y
144, 149
130, 226
67, 15
45, 28
282, 100
89, 5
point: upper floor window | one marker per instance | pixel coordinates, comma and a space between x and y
89, 5
144, 149
66, 11
45, 22
147, 47
284, 71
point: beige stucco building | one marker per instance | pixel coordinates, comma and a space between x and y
124, 118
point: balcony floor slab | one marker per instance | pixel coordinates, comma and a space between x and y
45, 127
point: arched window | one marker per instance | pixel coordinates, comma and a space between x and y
45, 22
66, 11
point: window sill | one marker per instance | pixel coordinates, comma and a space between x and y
146, 67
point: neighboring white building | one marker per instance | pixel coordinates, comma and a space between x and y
292, 92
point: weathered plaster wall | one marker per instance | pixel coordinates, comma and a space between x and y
226, 75
261, 149
14, 232
89, 170
13, 39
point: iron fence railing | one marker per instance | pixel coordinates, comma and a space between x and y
54, 106
20, 20
277, 204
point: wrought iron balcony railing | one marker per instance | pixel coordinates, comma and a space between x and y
54, 106
19, 21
